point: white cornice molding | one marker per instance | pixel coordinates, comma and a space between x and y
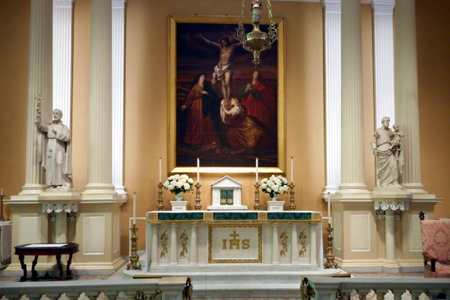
63, 3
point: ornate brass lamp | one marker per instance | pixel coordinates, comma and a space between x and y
257, 41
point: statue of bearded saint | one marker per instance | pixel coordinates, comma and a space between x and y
386, 146
55, 151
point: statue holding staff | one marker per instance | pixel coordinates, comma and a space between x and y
55, 150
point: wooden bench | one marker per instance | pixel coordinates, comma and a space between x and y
46, 249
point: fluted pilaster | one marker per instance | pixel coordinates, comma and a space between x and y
332, 12
384, 60
118, 54
406, 92
62, 57
100, 104
352, 100
39, 84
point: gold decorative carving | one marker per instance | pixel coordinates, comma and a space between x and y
184, 238
262, 216
164, 239
152, 218
284, 242
302, 237
208, 216
316, 217
234, 261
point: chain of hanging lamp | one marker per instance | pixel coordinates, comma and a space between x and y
256, 40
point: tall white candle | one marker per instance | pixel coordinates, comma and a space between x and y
134, 208
198, 170
329, 209
292, 169
160, 169
1, 192
256, 170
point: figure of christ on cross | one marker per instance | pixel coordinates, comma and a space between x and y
222, 71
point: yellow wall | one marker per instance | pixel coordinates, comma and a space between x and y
146, 99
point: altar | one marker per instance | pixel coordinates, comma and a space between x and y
234, 249
236, 240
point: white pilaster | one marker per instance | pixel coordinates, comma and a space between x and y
100, 123
154, 247
352, 101
332, 33
390, 238
118, 54
61, 228
62, 57
294, 244
39, 84
193, 244
173, 245
275, 253
406, 92
313, 243
383, 28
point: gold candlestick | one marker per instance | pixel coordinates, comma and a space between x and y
2, 218
330, 264
197, 205
134, 258
292, 206
160, 206
257, 206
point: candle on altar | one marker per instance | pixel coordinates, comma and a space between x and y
160, 169
292, 169
1, 192
256, 170
329, 209
134, 208
198, 170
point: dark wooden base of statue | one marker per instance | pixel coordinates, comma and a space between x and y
46, 249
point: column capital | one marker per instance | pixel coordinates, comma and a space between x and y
383, 6
63, 3
332, 5
118, 3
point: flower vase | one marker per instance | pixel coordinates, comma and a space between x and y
274, 198
179, 197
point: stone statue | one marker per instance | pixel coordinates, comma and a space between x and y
386, 146
55, 151
398, 140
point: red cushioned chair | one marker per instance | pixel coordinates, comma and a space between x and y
436, 248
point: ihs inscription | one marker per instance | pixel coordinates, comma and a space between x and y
235, 243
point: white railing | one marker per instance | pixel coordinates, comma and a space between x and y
327, 288
133, 289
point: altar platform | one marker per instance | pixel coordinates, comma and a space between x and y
234, 250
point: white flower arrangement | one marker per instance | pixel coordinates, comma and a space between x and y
274, 185
179, 184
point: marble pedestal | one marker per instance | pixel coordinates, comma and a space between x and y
275, 205
179, 205
95, 227
366, 242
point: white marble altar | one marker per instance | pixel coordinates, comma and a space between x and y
232, 249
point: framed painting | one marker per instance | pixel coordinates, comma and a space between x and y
222, 109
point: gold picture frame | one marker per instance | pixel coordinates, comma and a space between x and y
279, 162
235, 261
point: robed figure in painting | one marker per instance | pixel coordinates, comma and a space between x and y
55, 151
260, 100
202, 106
243, 131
